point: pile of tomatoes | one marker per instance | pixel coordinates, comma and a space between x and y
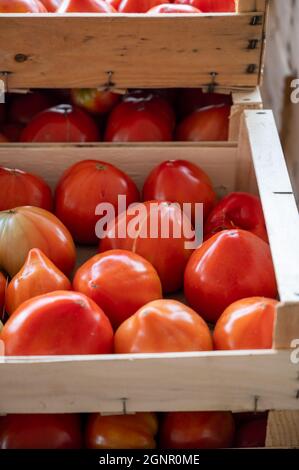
117, 6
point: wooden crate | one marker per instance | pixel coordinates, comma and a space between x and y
239, 380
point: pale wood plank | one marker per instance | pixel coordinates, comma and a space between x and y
242, 100
283, 429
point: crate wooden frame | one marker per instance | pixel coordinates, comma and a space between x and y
239, 380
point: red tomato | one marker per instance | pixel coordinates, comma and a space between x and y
85, 185
63, 123
246, 324
201, 430
3, 282
163, 326
29, 227
18, 188
114, 3
38, 276
170, 8
206, 124
138, 6
237, 210
214, 99
95, 101
191, 99
23, 108
51, 5
21, 6
232, 265
252, 434
12, 131
44, 431
140, 119
120, 282
88, 6
167, 251
180, 181
59, 323
122, 432
211, 5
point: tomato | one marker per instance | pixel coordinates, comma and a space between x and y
29, 227
138, 6
237, 210
23, 108
18, 188
114, 3
252, 433
205, 124
180, 181
85, 185
88, 6
38, 276
44, 431
232, 265
165, 247
211, 5
12, 131
21, 6
120, 282
95, 101
246, 324
140, 118
58, 323
170, 8
122, 432
3, 282
163, 326
51, 5
200, 430
63, 123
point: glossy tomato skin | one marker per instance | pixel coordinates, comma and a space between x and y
140, 119
232, 265
207, 6
246, 324
95, 101
205, 124
169, 255
163, 326
60, 323
114, 3
28, 227
138, 6
180, 181
62, 123
22, 6
171, 8
122, 432
38, 276
51, 5
252, 433
120, 282
44, 431
23, 108
3, 282
85, 6
201, 430
85, 185
18, 188
237, 210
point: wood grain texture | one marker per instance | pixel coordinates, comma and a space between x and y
241, 101
283, 429
78, 50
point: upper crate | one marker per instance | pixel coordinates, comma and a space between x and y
134, 50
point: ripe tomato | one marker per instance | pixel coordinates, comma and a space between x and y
38, 276
252, 433
180, 181
163, 326
85, 6
18, 188
165, 247
171, 8
85, 185
51, 5
59, 323
63, 123
138, 6
122, 432
95, 101
205, 124
232, 265
44, 431
12, 131
237, 210
29, 227
201, 430
120, 282
3, 282
140, 118
114, 3
207, 6
23, 108
21, 6
246, 324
